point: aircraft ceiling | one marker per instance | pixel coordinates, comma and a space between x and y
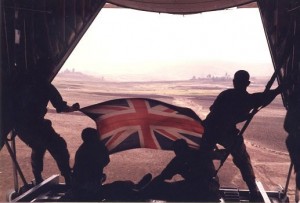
179, 6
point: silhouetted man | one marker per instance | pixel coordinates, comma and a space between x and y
292, 126
30, 108
90, 159
231, 107
196, 168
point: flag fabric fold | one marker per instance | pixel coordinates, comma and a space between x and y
144, 123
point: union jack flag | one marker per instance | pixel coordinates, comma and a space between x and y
144, 123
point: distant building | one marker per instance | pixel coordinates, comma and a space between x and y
226, 77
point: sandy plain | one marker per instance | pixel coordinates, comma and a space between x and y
265, 137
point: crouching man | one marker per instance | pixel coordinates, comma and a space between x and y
198, 172
90, 159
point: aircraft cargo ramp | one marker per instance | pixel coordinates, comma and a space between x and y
50, 190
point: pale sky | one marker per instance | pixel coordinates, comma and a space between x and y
125, 44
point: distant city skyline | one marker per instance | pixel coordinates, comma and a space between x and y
124, 44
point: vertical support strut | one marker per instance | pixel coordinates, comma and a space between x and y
15, 162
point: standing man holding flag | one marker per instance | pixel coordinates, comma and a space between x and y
231, 107
37, 132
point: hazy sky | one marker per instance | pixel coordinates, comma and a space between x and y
126, 44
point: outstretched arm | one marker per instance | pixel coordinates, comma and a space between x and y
57, 101
265, 98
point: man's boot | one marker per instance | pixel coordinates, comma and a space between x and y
68, 180
254, 193
38, 178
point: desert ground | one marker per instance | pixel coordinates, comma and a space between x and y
265, 137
